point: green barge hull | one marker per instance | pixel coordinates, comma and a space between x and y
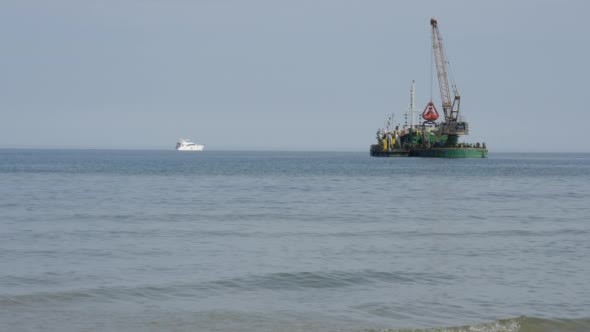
450, 153
435, 153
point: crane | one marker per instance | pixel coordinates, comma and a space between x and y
451, 126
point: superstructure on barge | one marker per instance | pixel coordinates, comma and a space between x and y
431, 138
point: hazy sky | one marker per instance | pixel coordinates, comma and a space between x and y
309, 75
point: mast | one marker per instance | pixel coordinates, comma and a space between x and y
412, 107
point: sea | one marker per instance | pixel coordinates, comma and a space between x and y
138, 240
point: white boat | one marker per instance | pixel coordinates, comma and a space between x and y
185, 144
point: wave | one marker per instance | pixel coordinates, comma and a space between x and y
270, 281
518, 324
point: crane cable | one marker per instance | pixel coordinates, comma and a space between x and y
431, 69
450, 70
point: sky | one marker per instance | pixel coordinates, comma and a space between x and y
286, 75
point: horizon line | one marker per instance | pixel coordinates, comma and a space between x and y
237, 149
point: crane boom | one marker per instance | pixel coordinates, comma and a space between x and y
450, 106
441, 68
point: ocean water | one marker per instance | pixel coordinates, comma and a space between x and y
292, 241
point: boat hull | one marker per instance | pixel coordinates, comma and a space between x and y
191, 148
390, 153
